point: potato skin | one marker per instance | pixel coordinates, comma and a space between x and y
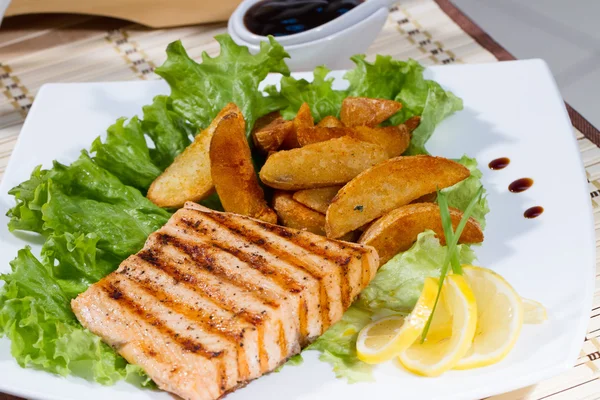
394, 139
329, 163
317, 199
270, 131
303, 120
233, 172
364, 111
412, 123
387, 186
331, 122
316, 134
188, 178
397, 230
295, 215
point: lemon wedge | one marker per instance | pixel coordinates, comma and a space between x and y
533, 312
450, 334
385, 338
499, 318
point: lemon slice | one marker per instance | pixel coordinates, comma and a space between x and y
499, 318
533, 312
450, 334
384, 339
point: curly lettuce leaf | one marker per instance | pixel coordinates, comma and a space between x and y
338, 346
426, 98
125, 154
200, 91
395, 289
461, 194
399, 282
382, 79
26, 215
319, 94
35, 314
168, 130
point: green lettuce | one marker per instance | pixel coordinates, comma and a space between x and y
461, 194
35, 314
395, 289
338, 346
200, 91
426, 98
125, 153
383, 79
319, 95
169, 131
399, 282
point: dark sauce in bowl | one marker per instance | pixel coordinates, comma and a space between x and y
288, 17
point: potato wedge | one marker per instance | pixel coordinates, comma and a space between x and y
188, 178
387, 186
317, 199
397, 230
295, 215
359, 111
412, 123
331, 122
270, 132
426, 198
232, 170
329, 163
394, 139
318, 134
302, 121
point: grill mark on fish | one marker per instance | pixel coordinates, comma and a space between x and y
153, 259
199, 254
255, 261
279, 253
211, 324
198, 286
186, 343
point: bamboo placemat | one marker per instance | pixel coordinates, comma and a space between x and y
39, 49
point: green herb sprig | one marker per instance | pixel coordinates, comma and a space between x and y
452, 242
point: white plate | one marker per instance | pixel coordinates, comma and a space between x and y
512, 109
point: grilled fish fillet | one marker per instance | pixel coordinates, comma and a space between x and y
214, 300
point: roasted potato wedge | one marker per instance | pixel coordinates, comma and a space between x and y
397, 230
317, 199
387, 186
188, 178
394, 139
303, 120
412, 123
330, 122
232, 170
318, 134
363, 111
270, 132
295, 215
329, 163
426, 198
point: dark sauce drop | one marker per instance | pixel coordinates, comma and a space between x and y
499, 163
287, 17
520, 185
533, 212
